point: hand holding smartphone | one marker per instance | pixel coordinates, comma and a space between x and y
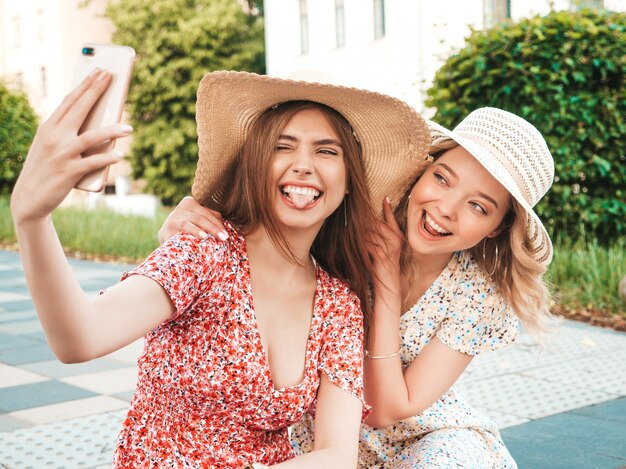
108, 109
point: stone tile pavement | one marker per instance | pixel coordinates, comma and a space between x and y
561, 407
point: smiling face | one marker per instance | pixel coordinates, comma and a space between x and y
454, 205
308, 175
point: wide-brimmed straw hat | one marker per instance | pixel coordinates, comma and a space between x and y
516, 154
394, 138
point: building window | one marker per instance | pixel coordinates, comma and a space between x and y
580, 4
304, 27
379, 18
340, 23
44, 82
17, 34
40, 27
495, 12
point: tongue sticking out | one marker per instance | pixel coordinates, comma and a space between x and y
430, 230
300, 201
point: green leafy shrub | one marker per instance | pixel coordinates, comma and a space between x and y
565, 73
18, 124
177, 42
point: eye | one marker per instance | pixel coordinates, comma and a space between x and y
478, 208
281, 147
440, 179
328, 151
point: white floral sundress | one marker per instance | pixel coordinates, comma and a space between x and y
464, 311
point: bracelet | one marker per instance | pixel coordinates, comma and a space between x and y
367, 355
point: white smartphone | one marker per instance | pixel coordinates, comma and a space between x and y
108, 109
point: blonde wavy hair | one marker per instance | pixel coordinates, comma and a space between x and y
519, 277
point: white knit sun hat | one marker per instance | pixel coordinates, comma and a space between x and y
516, 154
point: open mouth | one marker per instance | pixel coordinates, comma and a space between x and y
301, 197
432, 228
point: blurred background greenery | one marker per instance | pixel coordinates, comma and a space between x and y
564, 72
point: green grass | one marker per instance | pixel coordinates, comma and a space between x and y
97, 233
583, 274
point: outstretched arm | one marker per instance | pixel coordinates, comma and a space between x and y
77, 328
394, 392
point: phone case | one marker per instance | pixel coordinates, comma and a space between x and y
108, 109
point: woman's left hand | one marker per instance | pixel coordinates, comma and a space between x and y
54, 163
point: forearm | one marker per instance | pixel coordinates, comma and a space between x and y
60, 302
337, 424
385, 386
329, 458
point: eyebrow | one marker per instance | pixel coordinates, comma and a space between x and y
482, 194
325, 141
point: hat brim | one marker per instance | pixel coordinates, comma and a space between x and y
394, 138
537, 232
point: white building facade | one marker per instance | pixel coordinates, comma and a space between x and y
389, 46
40, 41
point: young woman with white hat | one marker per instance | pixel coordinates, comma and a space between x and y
242, 337
457, 264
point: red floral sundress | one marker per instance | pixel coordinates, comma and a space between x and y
205, 397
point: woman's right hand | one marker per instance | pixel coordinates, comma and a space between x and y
54, 163
191, 217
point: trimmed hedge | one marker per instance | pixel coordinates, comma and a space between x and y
18, 125
565, 73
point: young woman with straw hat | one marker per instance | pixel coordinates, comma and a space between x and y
457, 264
242, 337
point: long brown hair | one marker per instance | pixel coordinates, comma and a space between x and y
340, 246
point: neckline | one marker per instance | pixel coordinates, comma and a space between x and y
436, 282
257, 332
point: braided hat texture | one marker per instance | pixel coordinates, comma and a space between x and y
394, 138
516, 154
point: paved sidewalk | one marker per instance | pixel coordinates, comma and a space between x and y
563, 407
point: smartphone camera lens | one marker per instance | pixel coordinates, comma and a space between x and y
88, 51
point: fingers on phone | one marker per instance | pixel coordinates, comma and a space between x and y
95, 137
71, 98
96, 86
94, 162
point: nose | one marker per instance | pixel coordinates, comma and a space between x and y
447, 207
303, 162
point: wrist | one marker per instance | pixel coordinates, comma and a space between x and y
375, 356
25, 221
22, 216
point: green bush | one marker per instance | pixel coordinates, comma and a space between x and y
18, 124
177, 42
565, 73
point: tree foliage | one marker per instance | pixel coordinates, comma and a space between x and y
18, 125
565, 73
177, 42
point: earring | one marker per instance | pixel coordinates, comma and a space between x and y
345, 212
495, 263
